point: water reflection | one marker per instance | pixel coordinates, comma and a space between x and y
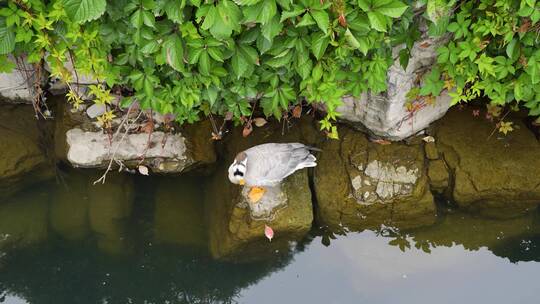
139, 240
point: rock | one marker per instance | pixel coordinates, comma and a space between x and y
495, 175
438, 175
431, 151
236, 226
93, 149
109, 209
80, 81
24, 219
18, 86
386, 115
26, 158
361, 184
96, 110
179, 214
81, 144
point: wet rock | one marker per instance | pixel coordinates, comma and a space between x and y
69, 207
80, 143
386, 115
109, 209
438, 176
24, 219
96, 110
26, 158
18, 85
431, 151
179, 212
495, 175
236, 226
361, 184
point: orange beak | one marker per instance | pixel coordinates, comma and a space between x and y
242, 182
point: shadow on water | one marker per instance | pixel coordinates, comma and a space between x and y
136, 240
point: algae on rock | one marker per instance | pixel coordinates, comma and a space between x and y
360, 184
495, 175
26, 158
236, 227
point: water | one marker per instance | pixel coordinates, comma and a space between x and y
144, 240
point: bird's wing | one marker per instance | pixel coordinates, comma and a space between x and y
270, 163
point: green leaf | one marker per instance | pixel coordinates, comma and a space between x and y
204, 63
247, 2
322, 19
272, 29
173, 52
377, 21
227, 19
148, 18
392, 9
82, 11
319, 43
7, 38
289, 14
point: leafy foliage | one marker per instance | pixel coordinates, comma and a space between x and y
192, 57
494, 52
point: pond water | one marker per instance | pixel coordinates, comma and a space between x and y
144, 240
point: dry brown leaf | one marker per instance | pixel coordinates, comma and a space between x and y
382, 142
148, 127
259, 121
297, 111
247, 129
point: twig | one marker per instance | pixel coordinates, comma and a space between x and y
109, 167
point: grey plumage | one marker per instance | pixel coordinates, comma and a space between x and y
268, 164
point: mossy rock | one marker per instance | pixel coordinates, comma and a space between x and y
361, 184
438, 175
236, 229
26, 158
493, 174
234, 234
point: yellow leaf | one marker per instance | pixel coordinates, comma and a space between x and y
505, 127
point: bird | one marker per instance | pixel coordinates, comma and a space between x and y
266, 165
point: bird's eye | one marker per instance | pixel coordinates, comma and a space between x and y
238, 172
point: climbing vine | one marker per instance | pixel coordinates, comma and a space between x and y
194, 58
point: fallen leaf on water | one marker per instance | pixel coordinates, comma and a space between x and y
259, 121
382, 141
428, 139
268, 232
143, 170
297, 111
247, 130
